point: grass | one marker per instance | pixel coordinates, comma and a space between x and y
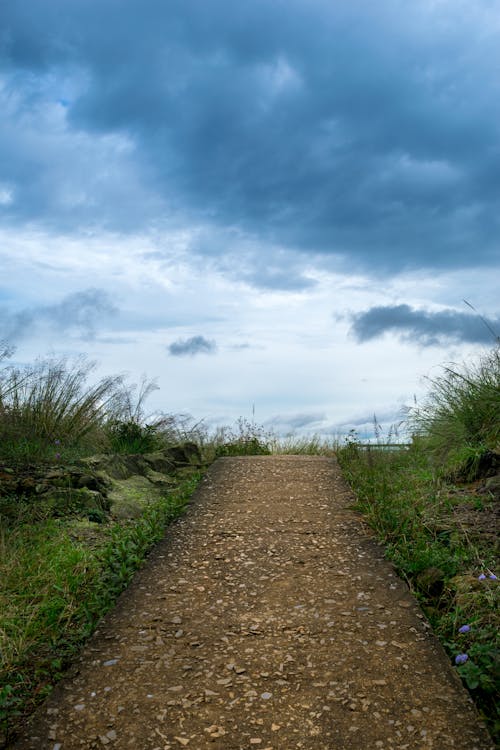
245, 438
48, 405
51, 411
54, 588
313, 445
460, 418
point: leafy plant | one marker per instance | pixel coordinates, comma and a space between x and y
131, 437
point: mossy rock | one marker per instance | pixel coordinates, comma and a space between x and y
116, 466
86, 531
65, 501
129, 497
185, 454
159, 462
161, 481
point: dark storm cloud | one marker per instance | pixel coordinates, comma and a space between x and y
80, 313
424, 327
192, 346
368, 132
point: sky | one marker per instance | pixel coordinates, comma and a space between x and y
275, 208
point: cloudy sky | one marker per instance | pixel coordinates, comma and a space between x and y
269, 205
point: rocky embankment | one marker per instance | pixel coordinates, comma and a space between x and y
99, 487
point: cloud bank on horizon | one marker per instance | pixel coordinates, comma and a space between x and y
302, 175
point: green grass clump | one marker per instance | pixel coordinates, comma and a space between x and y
128, 428
460, 418
54, 588
49, 406
51, 412
244, 439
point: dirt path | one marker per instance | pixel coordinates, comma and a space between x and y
267, 619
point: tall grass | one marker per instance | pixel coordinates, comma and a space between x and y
129, 428
460, 418
49, 406
51, 411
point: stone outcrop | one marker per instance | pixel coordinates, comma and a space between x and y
116, 484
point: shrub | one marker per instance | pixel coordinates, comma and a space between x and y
130, 429
132, 437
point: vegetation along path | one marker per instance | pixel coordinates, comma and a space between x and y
267, 618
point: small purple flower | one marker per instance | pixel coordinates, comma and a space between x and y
493, 577
58, 456
464, 629
57, 442
482, 577
461, 658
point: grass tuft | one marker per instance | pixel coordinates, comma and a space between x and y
460, 418
48, 407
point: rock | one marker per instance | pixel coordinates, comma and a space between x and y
90, 482
185, 453
159, 462
63, 501
117, 466
129, 496
160, 480
215, 731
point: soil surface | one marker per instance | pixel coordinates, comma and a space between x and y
268, 619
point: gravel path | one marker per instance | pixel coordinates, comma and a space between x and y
266, 619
